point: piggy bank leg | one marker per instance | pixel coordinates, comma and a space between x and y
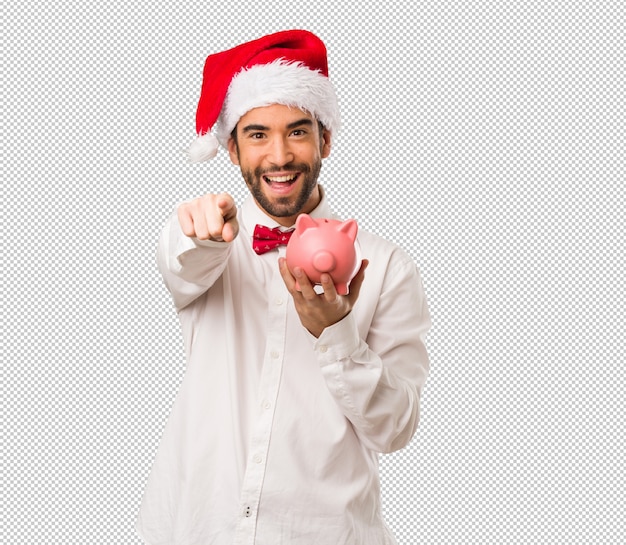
342, 288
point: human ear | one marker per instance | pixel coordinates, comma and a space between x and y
233, 151
326, 139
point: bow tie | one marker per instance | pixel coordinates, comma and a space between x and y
266, 239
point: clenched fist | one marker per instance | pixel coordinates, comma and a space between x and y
210, 217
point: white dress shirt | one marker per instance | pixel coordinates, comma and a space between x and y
274, 435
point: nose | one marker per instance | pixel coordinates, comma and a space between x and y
280, 152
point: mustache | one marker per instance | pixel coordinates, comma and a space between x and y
296, 167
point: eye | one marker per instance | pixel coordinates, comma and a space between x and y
257, 135
298, 132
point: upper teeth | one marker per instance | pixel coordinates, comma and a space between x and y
281, 178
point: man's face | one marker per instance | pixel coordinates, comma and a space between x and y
280, 150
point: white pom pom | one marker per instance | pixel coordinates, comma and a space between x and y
203, 148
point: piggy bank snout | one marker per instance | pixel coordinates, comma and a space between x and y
324, 261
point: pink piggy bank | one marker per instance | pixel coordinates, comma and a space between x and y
325, 246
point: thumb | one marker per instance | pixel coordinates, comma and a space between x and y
228, 209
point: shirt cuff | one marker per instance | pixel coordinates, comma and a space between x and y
338, 341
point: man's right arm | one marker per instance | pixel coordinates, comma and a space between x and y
195, 244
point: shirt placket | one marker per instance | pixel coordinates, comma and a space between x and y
268, 396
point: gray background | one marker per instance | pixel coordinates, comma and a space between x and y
484, 137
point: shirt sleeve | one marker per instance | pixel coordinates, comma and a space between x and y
189, 266
375, 362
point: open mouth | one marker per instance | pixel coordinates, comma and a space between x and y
281, 183
287, 179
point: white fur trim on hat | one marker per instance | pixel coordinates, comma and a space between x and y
279, 82
203, 148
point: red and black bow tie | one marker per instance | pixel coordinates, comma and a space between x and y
265, 239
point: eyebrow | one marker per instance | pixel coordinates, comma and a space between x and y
250, 128
299, 123
304, 121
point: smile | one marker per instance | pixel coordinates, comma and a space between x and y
281, 179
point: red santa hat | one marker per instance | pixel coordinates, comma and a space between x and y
288, 67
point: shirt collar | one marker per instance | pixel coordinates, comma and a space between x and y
252, 214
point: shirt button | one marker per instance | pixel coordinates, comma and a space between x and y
267, 405
274, 354
257, 459
279, 301
323, 348
247, 511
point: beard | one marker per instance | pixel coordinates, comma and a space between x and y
283, 206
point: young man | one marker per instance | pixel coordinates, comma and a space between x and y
289, 395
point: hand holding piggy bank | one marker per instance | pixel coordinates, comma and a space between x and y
324, 246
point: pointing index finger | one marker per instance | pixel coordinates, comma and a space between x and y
226, 205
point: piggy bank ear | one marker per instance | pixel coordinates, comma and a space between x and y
304, 222
350, 228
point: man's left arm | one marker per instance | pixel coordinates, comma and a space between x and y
374, 360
